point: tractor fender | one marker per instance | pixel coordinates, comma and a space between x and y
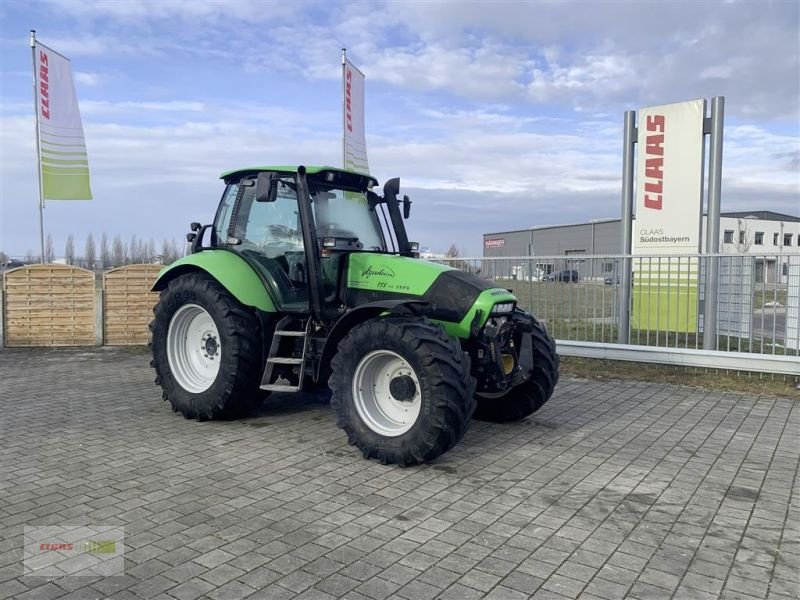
354, 317
229, 269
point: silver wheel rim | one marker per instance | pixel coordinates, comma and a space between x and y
378, 408
193, 348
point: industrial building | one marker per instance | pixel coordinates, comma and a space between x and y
766, 235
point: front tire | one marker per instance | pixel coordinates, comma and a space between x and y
529, 396
205, 349
402, 390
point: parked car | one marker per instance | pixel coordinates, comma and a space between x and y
566, 276
11, 264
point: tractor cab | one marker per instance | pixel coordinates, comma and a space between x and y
288, 223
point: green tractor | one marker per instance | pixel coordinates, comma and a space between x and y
306, 279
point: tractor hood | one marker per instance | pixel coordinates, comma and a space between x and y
452, 297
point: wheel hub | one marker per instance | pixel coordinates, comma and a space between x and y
210, 345
402, 388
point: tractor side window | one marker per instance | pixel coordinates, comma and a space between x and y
223, 218
272, 228
269, 233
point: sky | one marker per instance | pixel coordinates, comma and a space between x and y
496, 116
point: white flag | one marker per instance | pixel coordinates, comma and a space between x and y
355, 142
64, 163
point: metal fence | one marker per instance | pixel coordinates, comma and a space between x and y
580, 298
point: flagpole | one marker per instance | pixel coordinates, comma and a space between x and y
344, 109
38, 148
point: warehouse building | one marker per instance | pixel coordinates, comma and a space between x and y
766, 235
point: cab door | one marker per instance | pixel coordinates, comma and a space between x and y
268, 235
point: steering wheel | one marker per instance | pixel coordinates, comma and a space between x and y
335, 230
281, 231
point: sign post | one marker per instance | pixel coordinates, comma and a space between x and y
38, 149
624, 332
712, 224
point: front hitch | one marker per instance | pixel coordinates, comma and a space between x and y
502, 353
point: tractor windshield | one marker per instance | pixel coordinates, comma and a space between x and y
346, 214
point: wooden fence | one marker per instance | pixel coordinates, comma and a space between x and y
49, 305
128, 304
62, 305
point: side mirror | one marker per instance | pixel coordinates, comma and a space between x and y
406, 207
195, 226
266, 187
195, 238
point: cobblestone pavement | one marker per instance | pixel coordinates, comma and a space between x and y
613, 489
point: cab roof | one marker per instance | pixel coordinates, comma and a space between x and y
311, 170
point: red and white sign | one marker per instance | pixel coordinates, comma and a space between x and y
355, 140
494, 243
669, 179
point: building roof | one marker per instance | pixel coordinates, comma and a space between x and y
537, 227
762, 215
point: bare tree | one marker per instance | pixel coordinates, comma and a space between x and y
151, 250
89, 251
69, 249
105, 255
169, 252
3, 258
29, 257
118, 252
133, 250
453, 251
49, 250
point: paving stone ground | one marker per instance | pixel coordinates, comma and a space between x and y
613, 489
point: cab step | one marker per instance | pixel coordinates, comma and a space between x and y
276, 387
280, 360
276, 381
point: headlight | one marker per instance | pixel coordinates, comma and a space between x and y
503, 308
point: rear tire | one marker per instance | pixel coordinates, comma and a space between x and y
206, 347
529, 396
431, 376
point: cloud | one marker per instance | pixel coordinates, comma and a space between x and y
589, 75
496, 115
611, 55
90, 79
485, 72
600, 56
97, 45
104, 107
470, 170
149, 10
